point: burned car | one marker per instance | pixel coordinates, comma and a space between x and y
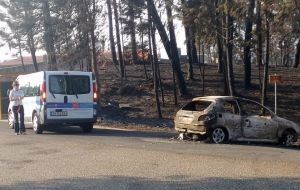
225, 118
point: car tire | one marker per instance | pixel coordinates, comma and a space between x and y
37, 127
10, 119
288, 137
218, 135
87, 128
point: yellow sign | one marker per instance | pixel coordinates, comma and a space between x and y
275, 78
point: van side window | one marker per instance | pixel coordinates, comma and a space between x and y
25, 90
36, 90
30, 89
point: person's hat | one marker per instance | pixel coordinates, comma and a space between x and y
15, 83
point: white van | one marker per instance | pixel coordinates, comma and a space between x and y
59, 98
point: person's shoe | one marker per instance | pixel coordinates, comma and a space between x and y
23, 133
16, 133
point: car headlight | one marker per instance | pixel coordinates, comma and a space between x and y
207, 117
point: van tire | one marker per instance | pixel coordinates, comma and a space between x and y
37, 127
87, 127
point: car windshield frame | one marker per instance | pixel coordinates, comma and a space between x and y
272, 114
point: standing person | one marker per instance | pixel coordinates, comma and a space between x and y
16, 96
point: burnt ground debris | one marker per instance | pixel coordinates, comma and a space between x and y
137, 93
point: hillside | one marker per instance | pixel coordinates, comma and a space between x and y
136, 94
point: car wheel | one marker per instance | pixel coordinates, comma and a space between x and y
87, 128
37, 127
218, 135
10, 119
288, 138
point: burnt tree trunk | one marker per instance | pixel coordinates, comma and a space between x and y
132, 33
266, 65
188, 38
143, 50
32, 49
297, 55
247, 46
259, 48
49, 36
229, 49
219, 36
111, 33
93, 39
154, 62
21, 54
155, 72
190, 75
173, 49
169, 47
121, 62
30, 43
193, 45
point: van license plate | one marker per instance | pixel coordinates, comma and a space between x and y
61, 113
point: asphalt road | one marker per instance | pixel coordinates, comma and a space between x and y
117, 159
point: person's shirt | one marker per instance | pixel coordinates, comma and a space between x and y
16, 97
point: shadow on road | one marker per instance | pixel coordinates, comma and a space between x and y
171, 182
266, 144
107, 132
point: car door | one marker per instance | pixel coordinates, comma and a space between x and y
230, 117
257, 121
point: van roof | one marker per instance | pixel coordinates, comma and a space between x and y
59, 72
66, 72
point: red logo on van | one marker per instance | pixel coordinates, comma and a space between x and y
75, 105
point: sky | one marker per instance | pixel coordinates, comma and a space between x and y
4, 51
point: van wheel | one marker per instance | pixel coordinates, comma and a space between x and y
37, 127
87, 128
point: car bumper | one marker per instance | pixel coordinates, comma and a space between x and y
200, 129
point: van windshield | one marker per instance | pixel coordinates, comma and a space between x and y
69, 84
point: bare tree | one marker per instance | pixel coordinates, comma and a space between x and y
49, 36
111, 33
154, 61
247, 45
121, 62
171, 48
229, 49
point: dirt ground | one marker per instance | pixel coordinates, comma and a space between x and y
131, 102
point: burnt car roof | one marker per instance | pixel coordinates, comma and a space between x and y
214, 98
227, 98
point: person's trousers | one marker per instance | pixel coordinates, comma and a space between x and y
18, 110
